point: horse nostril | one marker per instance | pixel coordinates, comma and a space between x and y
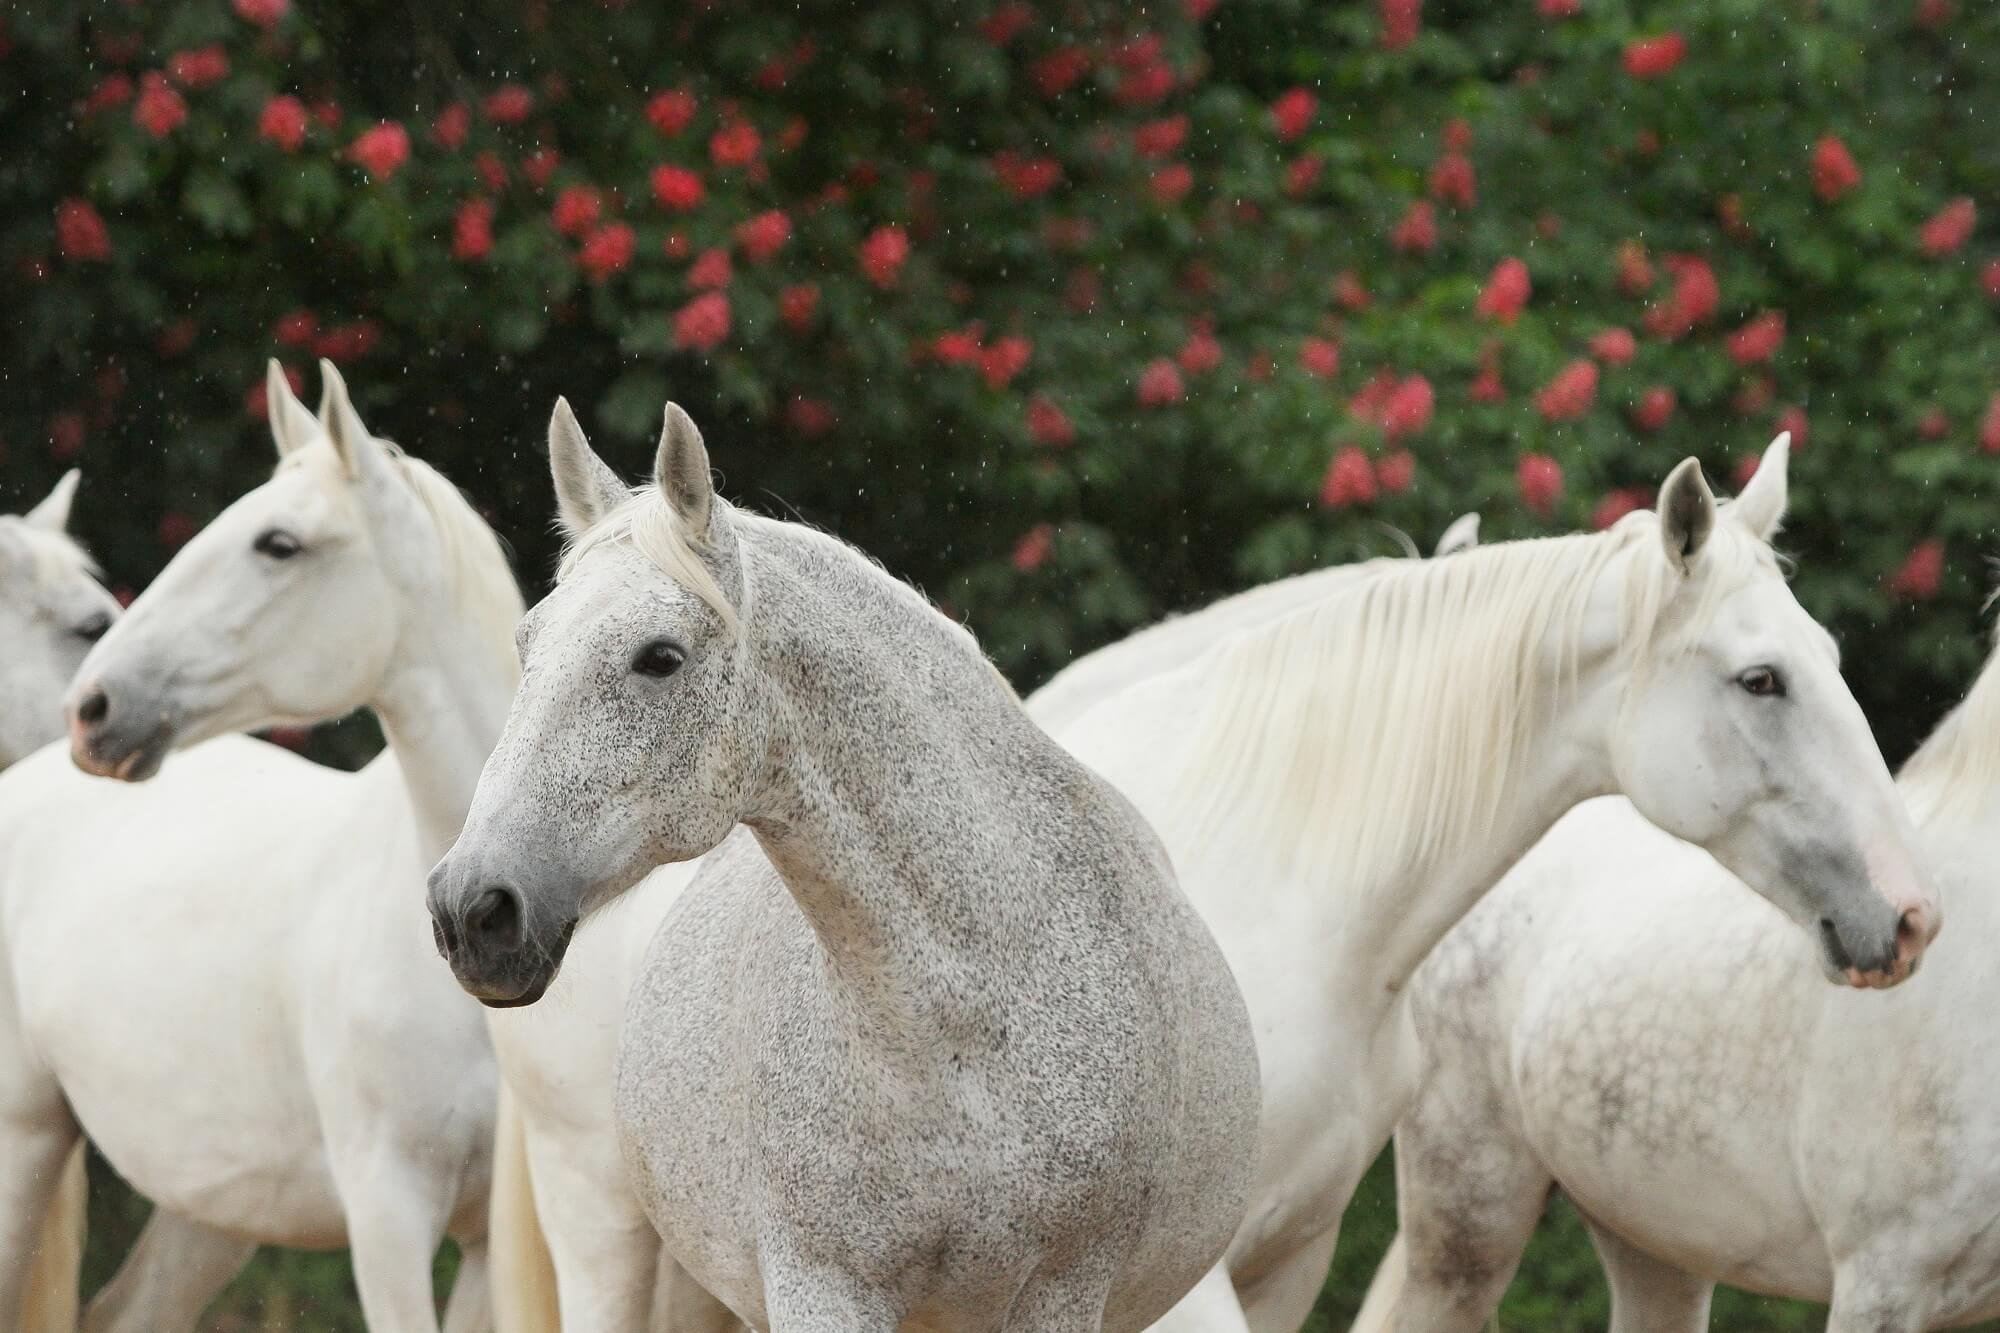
1914, 929
94, 707
444, 937
494, 919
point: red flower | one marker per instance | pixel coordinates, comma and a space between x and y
1349, 293
1349, 480
606, 251
1396, 472
1921, 573
1635, 271
1171, 183
809, 417
1570, 394
1793, 421
1303, 173
1320, 356
1034, 548
1201, 353
509, 104
1417, 233
1401, 20
1160, 384
539, 167
296, 329
1160, 138
1453, 181
1048, 425
884, 253
1507, 291
1934, 424
1001, 26
344, 343
959, 347
1616, 504
671, 111
1559, 9
491, 170
327, 112
81, 235
160, 110
736, 144
1949, 228
1486, 386
383, 150
1292, 114
1458, 134
1834, 170
113, 90
797, 305
175, 339
1933, 14
1759, 340
200, 68
765, 234
1539, 478
1614, 347
1058, 71
472, 230
1407, 409
1693, 300
176, 529
677, 189
266, 14
712, 271
576, 210
702, 324
1144, 85
66, 435
1989, 426
283, 122
1004, 359
1027, 178
452, 126
1655, 57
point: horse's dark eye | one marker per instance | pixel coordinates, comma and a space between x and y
659, 658
278, 544
92, 629
1762, 681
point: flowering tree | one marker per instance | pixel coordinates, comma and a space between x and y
1074, 313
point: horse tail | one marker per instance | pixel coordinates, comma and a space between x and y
50, 1303
523, 1273
1385, 1291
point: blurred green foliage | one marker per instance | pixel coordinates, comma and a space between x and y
1113, 308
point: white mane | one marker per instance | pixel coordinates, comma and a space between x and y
55, 556
1382, 727
480, 578
1956, 771
646, 520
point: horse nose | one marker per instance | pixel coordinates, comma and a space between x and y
493, 922
93, 706
1915, 929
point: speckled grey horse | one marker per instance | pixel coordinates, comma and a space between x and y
933, 1040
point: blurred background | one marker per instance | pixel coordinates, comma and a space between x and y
1072, 313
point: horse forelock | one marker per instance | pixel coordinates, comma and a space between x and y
54, 557
1382, 727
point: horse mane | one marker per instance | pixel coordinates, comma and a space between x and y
54, 556
1382, 727
1957, 768
480, 579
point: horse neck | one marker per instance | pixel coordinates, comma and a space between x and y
442, 703
864, 813
1952, 782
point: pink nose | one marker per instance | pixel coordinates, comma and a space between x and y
1915, 929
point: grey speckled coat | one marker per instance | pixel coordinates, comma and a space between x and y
934, 1039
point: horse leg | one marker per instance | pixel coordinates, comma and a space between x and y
396, 1217
1647, 1294
1468, 1196
682, 1305
606, 1253
1888, 1298
469, 1308
1071, 1302
1284, 1297
175, 1270
37, 1134
800, 1298
1211, 1306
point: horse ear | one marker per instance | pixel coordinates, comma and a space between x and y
1462, 535
1687, 513
1761, 506
292, 422
52, 514
681, 471
352, 443
586, 488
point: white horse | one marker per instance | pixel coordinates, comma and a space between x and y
1338, 786
559, 1180
52, 608
224, 975
1669, 1059
934, 1037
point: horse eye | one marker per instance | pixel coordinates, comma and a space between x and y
659, 658
278, 544
1763, 682
91, 630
